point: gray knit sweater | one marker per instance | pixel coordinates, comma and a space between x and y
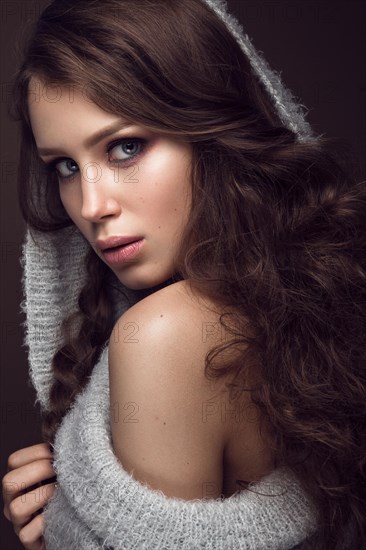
100, 505
97, 503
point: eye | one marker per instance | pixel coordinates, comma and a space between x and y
118, 150
65, 168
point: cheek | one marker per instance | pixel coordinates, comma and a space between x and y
169, 196
71, 204
69, 199
64, 198
166, 207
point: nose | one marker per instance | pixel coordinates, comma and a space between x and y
98, 200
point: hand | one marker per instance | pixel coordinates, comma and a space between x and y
24, 494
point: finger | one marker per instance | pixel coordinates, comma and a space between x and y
31, 536
17, 481
23, 507
29, 454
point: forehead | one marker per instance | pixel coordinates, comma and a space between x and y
56, 110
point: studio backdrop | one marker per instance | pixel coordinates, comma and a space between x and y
317, 46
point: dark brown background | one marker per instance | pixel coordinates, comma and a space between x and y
319, 48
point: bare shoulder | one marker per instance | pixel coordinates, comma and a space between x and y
177, 429
178, 328
175, 319
158, 385
182, 294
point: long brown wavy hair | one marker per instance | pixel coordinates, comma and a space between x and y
277, 231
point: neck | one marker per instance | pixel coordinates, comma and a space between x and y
142, 293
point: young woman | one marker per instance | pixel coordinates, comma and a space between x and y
194, 279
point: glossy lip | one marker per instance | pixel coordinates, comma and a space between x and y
115, 241
122, 254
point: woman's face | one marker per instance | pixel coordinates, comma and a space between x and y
128, 182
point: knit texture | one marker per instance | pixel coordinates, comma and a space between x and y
53, 276
100, 505
291, 113
97, 503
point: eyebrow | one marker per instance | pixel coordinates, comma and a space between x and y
92, 140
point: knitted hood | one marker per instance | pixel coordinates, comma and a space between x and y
53, 263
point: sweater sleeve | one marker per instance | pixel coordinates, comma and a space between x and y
100, 505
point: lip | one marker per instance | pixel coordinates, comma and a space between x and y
114, 241
122, 254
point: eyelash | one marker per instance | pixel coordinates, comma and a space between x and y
51, 166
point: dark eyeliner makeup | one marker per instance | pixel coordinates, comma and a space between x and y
51, 166
142, 146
